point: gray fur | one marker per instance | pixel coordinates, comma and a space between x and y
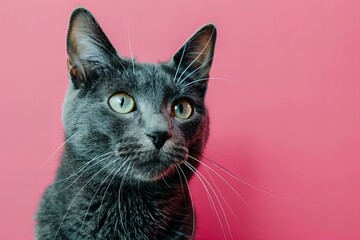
112, 182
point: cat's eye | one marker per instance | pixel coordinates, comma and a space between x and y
182, 109
122, 103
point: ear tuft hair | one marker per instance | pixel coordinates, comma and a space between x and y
195, 57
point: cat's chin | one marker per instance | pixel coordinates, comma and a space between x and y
155, 176
165, 174
156, 165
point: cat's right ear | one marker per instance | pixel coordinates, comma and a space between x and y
195, 57
87, 47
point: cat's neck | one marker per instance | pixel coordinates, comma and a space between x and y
147, 204
79, 168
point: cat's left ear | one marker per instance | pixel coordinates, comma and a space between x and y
193, 60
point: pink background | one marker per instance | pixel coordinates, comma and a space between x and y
287, 120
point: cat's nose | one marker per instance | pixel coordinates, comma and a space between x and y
158, 138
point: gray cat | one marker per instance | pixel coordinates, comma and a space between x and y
132, 132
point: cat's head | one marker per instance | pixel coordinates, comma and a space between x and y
136, 119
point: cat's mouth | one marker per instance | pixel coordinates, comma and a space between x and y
153, 164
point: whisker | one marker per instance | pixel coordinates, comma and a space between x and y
177, 166
82, 64
52, 155
58, 190
62, 221
221, 206
82, 167
211, 78
111, 172
191, 199
198, 68
119, 195
115, 228
222, 196
178, 66
207, 43
131, 52
162, 177
231, 187
111, 53
207, 191
107, 188
242, 181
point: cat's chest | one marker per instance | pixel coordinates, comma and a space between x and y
121, 216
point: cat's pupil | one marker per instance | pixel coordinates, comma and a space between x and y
180, 108
122, 102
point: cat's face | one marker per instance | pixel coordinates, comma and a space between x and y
136, 120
